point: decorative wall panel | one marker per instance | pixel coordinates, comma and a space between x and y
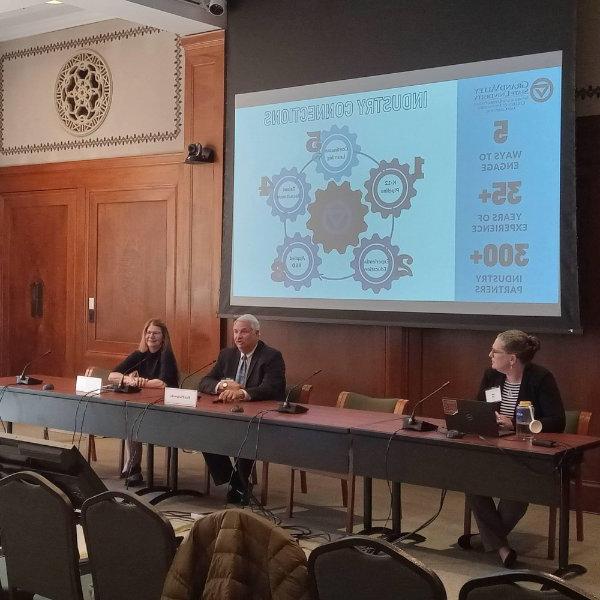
104, 90
144, 241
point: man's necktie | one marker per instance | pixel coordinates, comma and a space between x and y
242, 370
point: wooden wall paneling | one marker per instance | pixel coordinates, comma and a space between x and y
204, 123
574, 364
179, 327
131, 264
458, 356
129, 171
163, 172
81, 286
575, 359
39, 246
404, 363
192, 284
351, 356
136, 175
154, 179
579, 356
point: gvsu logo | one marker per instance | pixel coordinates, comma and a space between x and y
541, 89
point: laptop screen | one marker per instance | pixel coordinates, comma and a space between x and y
471, 416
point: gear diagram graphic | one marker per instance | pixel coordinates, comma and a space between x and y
377, 263
338, 153
337, 217
334, 220
297, 262
391, 187
288, 194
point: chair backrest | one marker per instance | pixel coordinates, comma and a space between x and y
505, 585
362, 402
301, 394
98, 372
39, 538
130, 546
577, 421
359, 567
237, 553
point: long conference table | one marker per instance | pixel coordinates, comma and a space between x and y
365, 443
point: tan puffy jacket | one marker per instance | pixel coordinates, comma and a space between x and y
236, 555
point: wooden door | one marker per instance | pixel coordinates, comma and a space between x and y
38, 258
131, 268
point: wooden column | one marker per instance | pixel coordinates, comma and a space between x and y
200, 230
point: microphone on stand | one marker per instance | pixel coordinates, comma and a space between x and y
23, 379
412, 423
128, 389
212, 362
292, 408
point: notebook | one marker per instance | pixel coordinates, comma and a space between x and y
473, 416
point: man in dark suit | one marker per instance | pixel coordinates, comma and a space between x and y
250, 371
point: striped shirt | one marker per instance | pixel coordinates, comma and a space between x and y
510, 398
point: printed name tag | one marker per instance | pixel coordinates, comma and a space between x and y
493, 395
88, 384
177, 397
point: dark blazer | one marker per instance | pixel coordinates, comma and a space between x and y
266, 373
539, 387
160, 365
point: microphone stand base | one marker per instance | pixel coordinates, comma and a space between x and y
414, 425
26, 380
412, 538
389, 535
569, 571
166, 493
291, 408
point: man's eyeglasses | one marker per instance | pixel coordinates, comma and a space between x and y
494, 351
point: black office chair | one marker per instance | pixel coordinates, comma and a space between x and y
358, 567
130, 546
506, 585
39, 538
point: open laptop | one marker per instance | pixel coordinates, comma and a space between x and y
473, 416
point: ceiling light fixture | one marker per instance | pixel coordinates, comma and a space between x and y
54, 2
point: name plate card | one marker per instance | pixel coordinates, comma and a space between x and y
178, 397
88, 384
493, 395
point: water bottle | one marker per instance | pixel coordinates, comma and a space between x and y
524, 417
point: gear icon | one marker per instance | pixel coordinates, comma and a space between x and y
288, 194
338, 153
297, 262
337, 217
377, 263
391, 186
